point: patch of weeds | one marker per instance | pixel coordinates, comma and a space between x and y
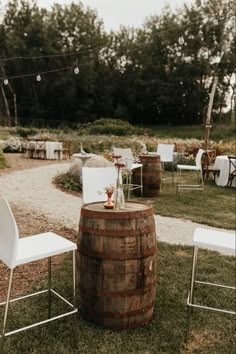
68, 182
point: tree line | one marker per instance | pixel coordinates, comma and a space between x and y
161, 73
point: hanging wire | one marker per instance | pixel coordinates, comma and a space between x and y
75, 68
102, 46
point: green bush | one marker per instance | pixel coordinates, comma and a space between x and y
109, 126
69, 182
13, 144
3, 162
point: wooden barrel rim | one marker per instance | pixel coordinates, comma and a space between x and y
125, 293
117, 214
119, 233
117, 256
149, 156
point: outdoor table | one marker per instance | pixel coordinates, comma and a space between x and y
151, 175
222, 164
116, 263
40, 149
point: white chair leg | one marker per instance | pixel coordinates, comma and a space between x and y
141, 181
6, 311
74, 294
49, 286
191, 293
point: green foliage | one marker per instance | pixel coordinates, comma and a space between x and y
68, 182
143, 75
109, 126
3, 162
25, 132
13, 144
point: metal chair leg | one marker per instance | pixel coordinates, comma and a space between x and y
191, 293
49, 286
74, 294
6, 311
141, 181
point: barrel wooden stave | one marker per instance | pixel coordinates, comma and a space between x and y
151, 176
117, 272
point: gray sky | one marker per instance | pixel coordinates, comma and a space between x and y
121, 12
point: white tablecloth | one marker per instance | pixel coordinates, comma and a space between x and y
54, 150
222, 164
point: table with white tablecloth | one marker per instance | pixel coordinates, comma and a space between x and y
49, 150
222, 164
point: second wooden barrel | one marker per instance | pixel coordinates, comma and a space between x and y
151, 176
117, 265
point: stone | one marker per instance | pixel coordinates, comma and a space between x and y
94, 161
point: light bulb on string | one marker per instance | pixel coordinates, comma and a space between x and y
76, 70
5, 81
181, 40
38, 77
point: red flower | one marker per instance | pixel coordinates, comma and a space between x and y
117, 164
116, 156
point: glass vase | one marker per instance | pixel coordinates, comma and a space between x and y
119, 199
109, 203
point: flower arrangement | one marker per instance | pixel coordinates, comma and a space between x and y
109, 189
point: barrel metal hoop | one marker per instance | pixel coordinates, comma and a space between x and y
120, 233
124, 293
117, 256
118, 315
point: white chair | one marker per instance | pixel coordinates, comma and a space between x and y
15, 251
213, 239
195, 168
166, 153
95, 179
128, 159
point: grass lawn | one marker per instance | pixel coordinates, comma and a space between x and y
211, 332
217, 210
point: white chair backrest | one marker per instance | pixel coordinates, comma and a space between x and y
198, 158
9, 234
166, 152
95, 179
126, 156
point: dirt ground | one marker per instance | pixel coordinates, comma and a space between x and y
17, 162
30, 224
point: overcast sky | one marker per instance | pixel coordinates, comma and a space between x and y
121, 12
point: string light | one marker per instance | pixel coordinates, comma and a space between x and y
100, 47
38, 77
76, 70
35, 74
181, 40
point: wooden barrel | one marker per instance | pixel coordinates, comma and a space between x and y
151, 176
116, 263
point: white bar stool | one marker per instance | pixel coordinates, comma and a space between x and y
212, 239
15, 251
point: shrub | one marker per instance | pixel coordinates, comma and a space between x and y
3, 162
12, 145
69, 182
108, 126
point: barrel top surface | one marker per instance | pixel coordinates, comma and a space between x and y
150, 155
130, 207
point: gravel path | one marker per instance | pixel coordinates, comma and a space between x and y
33, 189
